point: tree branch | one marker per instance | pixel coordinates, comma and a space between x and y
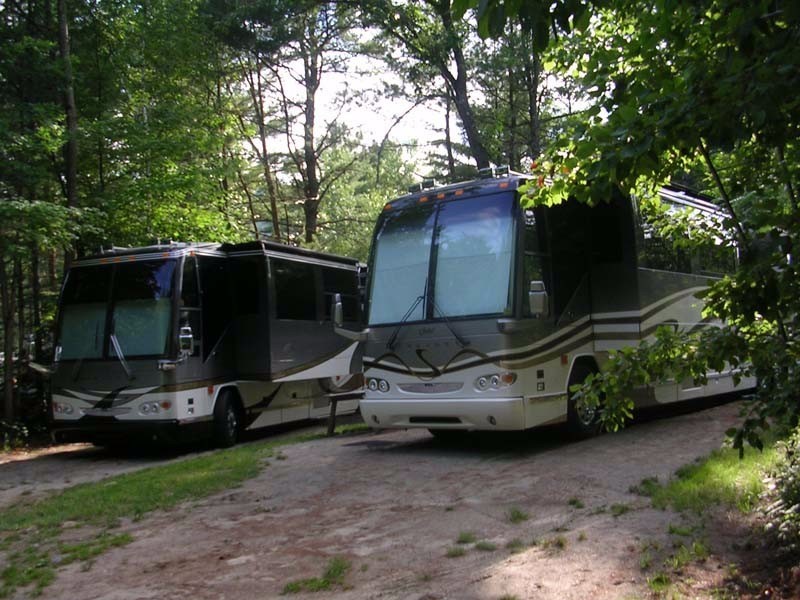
723, 193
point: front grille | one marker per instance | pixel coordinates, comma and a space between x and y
435, 420
430, 388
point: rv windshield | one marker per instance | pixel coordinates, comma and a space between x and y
137, 294
472, 251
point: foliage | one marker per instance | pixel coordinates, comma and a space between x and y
782, 509
356, 198
334, 575
12, 435
706, 89
721, 478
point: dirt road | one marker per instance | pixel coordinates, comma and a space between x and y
393, 504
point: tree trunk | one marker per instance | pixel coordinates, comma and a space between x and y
36, 303
458, 89
448, 140
7, 310
532, 73
19, 284
513, 155
311, 80
71, 147
51, 271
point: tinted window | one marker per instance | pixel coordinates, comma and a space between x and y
657, 252
143, 306
344, 282
401, 256
83, 312
190, 295
246, 275
295, 290
474, 249
216, 301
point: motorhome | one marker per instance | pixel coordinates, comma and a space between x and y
185, 340
482, 312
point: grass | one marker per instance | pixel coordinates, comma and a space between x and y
576, 503
456, 551
516, 515
516, 545
334, 575
617, 510
646, 487
659, 583
683, 531
485, 546
29, 532
720, 479
466, 537
557, 543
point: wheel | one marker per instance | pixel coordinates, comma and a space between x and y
583, 422
226, 420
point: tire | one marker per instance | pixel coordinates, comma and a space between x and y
581, 423
227, 422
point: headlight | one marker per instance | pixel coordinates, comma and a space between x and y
383, 385
149, 408
372, 384
495, 381
61, 408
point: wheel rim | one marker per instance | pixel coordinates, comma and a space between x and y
231, 422
586, 414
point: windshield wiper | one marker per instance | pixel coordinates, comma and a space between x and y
464, 342
420, 298
118, 350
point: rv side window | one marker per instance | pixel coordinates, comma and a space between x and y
190, 298
216, 301
246, 274
714, 261
656, 252
536, 266
295, 290
344, 282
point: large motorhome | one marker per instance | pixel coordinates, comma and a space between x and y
187, 340
482, 313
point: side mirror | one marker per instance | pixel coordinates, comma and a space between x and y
186, 341
337, 316
337, 313
538, 300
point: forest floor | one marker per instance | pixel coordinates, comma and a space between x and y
397, 514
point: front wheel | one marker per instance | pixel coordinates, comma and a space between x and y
582, 421
226, 420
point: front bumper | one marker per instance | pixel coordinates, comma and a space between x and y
110, 430
493, 414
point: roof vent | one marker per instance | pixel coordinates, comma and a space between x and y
491, 172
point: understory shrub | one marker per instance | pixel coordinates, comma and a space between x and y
782, 509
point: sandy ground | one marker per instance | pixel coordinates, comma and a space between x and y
392, 504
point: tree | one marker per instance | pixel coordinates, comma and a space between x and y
430, 36
710, 86
355, 200
322, 48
